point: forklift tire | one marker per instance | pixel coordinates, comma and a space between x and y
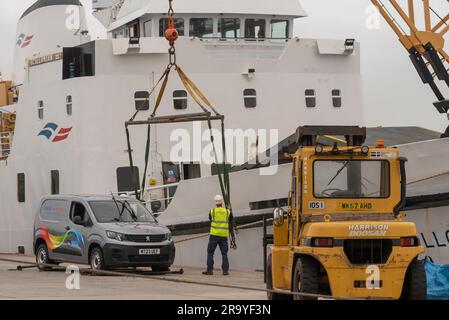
306, 277
272, 295
416, 281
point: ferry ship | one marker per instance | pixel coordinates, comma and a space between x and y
64, 111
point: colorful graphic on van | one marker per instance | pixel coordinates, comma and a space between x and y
51, 132
24, 40
72, 238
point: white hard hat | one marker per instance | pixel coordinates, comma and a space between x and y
218, 199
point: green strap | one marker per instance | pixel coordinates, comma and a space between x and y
131, 164
147, 157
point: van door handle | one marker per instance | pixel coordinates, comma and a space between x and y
67, 228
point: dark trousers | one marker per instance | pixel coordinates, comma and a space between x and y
222, 242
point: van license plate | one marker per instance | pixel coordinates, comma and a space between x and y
149, 252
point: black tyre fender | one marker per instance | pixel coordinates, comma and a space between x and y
306, 277
269, 284
415, 284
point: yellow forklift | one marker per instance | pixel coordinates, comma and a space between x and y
343, 233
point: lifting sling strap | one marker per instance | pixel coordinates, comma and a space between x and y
204, 104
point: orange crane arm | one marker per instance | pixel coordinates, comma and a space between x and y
424, 45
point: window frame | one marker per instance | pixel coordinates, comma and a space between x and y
69, 105
255, 37
212, 33
239, 30
352, 198
337, 97
249, 97
163, 24
310, 96
40, 109
287, 31
21, 187
54, 182
184, 99
144, 24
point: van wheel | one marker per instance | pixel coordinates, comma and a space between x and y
96, 259
165, 268
306, 277
416, 281
273, 295
42, 257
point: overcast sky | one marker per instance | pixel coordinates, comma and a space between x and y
393, 92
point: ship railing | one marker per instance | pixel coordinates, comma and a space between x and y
158, 204
253, 48
6, 138
249, 40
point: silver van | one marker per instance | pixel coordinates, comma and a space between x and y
102, 231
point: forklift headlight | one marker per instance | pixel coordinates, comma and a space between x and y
278, 217
319, 149
365, 149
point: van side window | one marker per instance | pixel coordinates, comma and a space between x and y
53, 210
78, 210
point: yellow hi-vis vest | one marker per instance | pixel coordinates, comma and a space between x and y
220, 222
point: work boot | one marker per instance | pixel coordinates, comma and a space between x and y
226, 273
208, 273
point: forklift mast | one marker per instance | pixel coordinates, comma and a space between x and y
307, 136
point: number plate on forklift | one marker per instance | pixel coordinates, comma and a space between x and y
316, 205
149, 252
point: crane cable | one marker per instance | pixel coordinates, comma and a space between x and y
171, 34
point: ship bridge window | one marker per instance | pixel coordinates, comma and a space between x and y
229, 28
255, 28
163, 25
336, 98
279, 29
201, 27
180, 99
134, 29
310, 98
148, 28
68, 101
40, 109
250, 98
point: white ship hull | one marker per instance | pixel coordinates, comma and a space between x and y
88, 145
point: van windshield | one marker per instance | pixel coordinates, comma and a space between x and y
120, 211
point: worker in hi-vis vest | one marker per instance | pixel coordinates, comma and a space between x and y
220, 219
